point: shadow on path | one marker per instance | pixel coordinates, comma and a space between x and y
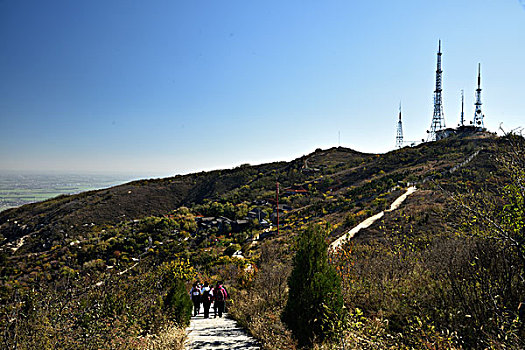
217, 334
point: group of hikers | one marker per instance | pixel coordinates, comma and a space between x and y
206, 294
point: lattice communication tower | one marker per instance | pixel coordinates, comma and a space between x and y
399, 134
438, 119
478, 114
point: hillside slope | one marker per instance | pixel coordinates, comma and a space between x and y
131, 240
339, 171
50, 220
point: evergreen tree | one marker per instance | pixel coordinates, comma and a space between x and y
177, 303
314, 309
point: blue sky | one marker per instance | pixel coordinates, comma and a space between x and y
166, 87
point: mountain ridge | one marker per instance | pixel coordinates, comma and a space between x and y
338, 167
114, 204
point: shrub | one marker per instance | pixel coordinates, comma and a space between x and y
314, 310
79, 313
177, 304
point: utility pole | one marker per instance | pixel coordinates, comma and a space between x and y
462, 119
277, 196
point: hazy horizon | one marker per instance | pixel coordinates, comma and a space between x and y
17, 189
138, 176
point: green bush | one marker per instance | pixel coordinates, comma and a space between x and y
177, 304
314, 310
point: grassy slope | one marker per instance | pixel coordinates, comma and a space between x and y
47, 221
344, 174
349, 186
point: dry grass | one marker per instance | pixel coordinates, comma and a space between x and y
258, 308
171, 338
262, 321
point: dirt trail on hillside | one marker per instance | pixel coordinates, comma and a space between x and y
218, 334
369, 221
17, 244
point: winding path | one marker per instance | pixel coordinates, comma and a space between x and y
218, 334
225, 334
369, 221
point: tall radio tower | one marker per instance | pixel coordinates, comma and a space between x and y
478, 115
399, 134
438, 120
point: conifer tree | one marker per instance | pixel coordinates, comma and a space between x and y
314, 310
177, 303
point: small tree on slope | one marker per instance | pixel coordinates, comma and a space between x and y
314, 310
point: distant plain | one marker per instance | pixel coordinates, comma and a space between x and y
17, 189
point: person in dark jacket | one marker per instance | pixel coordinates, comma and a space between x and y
206, 296
219, 298
195, 293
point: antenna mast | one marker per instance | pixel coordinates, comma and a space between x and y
478, 115
399, 134
462, 119
438, 119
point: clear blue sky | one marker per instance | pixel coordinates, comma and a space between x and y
168, 87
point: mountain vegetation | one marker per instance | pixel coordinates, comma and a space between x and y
109, 268
314, 309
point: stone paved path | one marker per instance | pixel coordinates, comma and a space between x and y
218, 334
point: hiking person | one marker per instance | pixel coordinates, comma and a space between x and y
221, 284
219, 297
206, 296
226, 296
195, 293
